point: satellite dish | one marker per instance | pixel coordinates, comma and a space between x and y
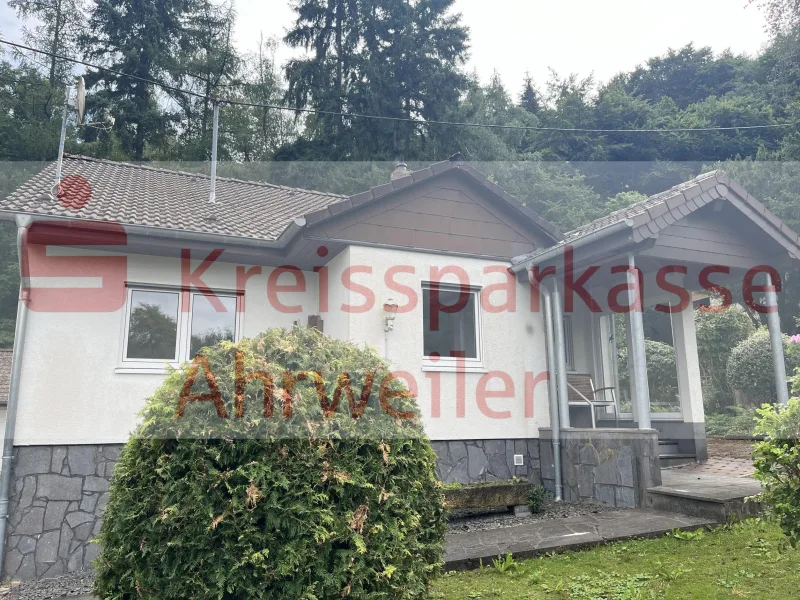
80, 99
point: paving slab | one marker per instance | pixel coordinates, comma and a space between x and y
713, 487
721, 466
467, 550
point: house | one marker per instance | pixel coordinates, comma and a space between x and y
499, 323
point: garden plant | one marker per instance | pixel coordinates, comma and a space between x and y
316, 501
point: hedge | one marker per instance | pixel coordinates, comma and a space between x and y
306, 503
750, 366
718, 333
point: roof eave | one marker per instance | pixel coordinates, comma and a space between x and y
523, 262
284, 239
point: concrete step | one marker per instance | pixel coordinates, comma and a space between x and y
667, 447
676, 460
707, 497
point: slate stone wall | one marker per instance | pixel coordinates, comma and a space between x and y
612, 466
470, 461
58, 494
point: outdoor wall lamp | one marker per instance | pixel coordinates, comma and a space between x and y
390, 308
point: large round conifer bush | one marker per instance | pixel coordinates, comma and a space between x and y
226, 491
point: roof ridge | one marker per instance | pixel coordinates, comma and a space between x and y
660, 196
198, 175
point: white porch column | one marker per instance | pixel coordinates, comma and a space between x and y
776, 342
690, 385
561, 359
637, 355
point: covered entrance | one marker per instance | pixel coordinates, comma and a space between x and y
706, 239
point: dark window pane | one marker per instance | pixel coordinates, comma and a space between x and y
153, 330
449, 331
210, 325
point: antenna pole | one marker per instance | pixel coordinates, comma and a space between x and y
62, 140
213, 195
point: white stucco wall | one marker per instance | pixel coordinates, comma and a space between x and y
73, 393
512, 342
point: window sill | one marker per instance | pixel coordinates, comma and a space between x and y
143, 370
453, 368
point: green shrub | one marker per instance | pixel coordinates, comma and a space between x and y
308, 506
777, 462
536, 498
718, 333
750, 366
662, 375
734, 421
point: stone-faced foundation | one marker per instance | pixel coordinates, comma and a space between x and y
471, 461
58, 495
612, 466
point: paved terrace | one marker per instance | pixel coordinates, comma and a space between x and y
467, 550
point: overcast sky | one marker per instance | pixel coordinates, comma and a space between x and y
582, 36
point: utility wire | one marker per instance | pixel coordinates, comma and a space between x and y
393, 119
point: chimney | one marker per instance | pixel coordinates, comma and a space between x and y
400, 170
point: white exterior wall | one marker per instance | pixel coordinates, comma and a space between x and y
335, 325
73, 393
70, 391
512, 342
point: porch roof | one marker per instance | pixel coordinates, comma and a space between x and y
644, 220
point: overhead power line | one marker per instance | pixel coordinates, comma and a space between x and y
314, 111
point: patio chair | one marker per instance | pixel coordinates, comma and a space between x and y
583, 393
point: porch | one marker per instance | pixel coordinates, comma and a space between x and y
648, 268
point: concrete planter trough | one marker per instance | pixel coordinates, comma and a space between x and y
488, 495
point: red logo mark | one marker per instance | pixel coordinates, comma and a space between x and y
74, 192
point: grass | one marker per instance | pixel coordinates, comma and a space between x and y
746, 560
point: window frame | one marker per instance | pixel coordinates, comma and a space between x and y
183, 333
451, 363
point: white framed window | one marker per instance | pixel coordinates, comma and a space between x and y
451, 327
157, 330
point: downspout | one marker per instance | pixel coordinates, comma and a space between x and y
560, 357
551, 388
13, 393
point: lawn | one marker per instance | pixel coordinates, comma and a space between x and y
747, 560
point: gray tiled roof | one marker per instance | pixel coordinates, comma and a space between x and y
650, 216
639, 208
5, 374
138, 195
630, 212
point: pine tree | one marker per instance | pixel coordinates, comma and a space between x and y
330, 31
58, 23
395, 58
142, 38
208, 65
529, 98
